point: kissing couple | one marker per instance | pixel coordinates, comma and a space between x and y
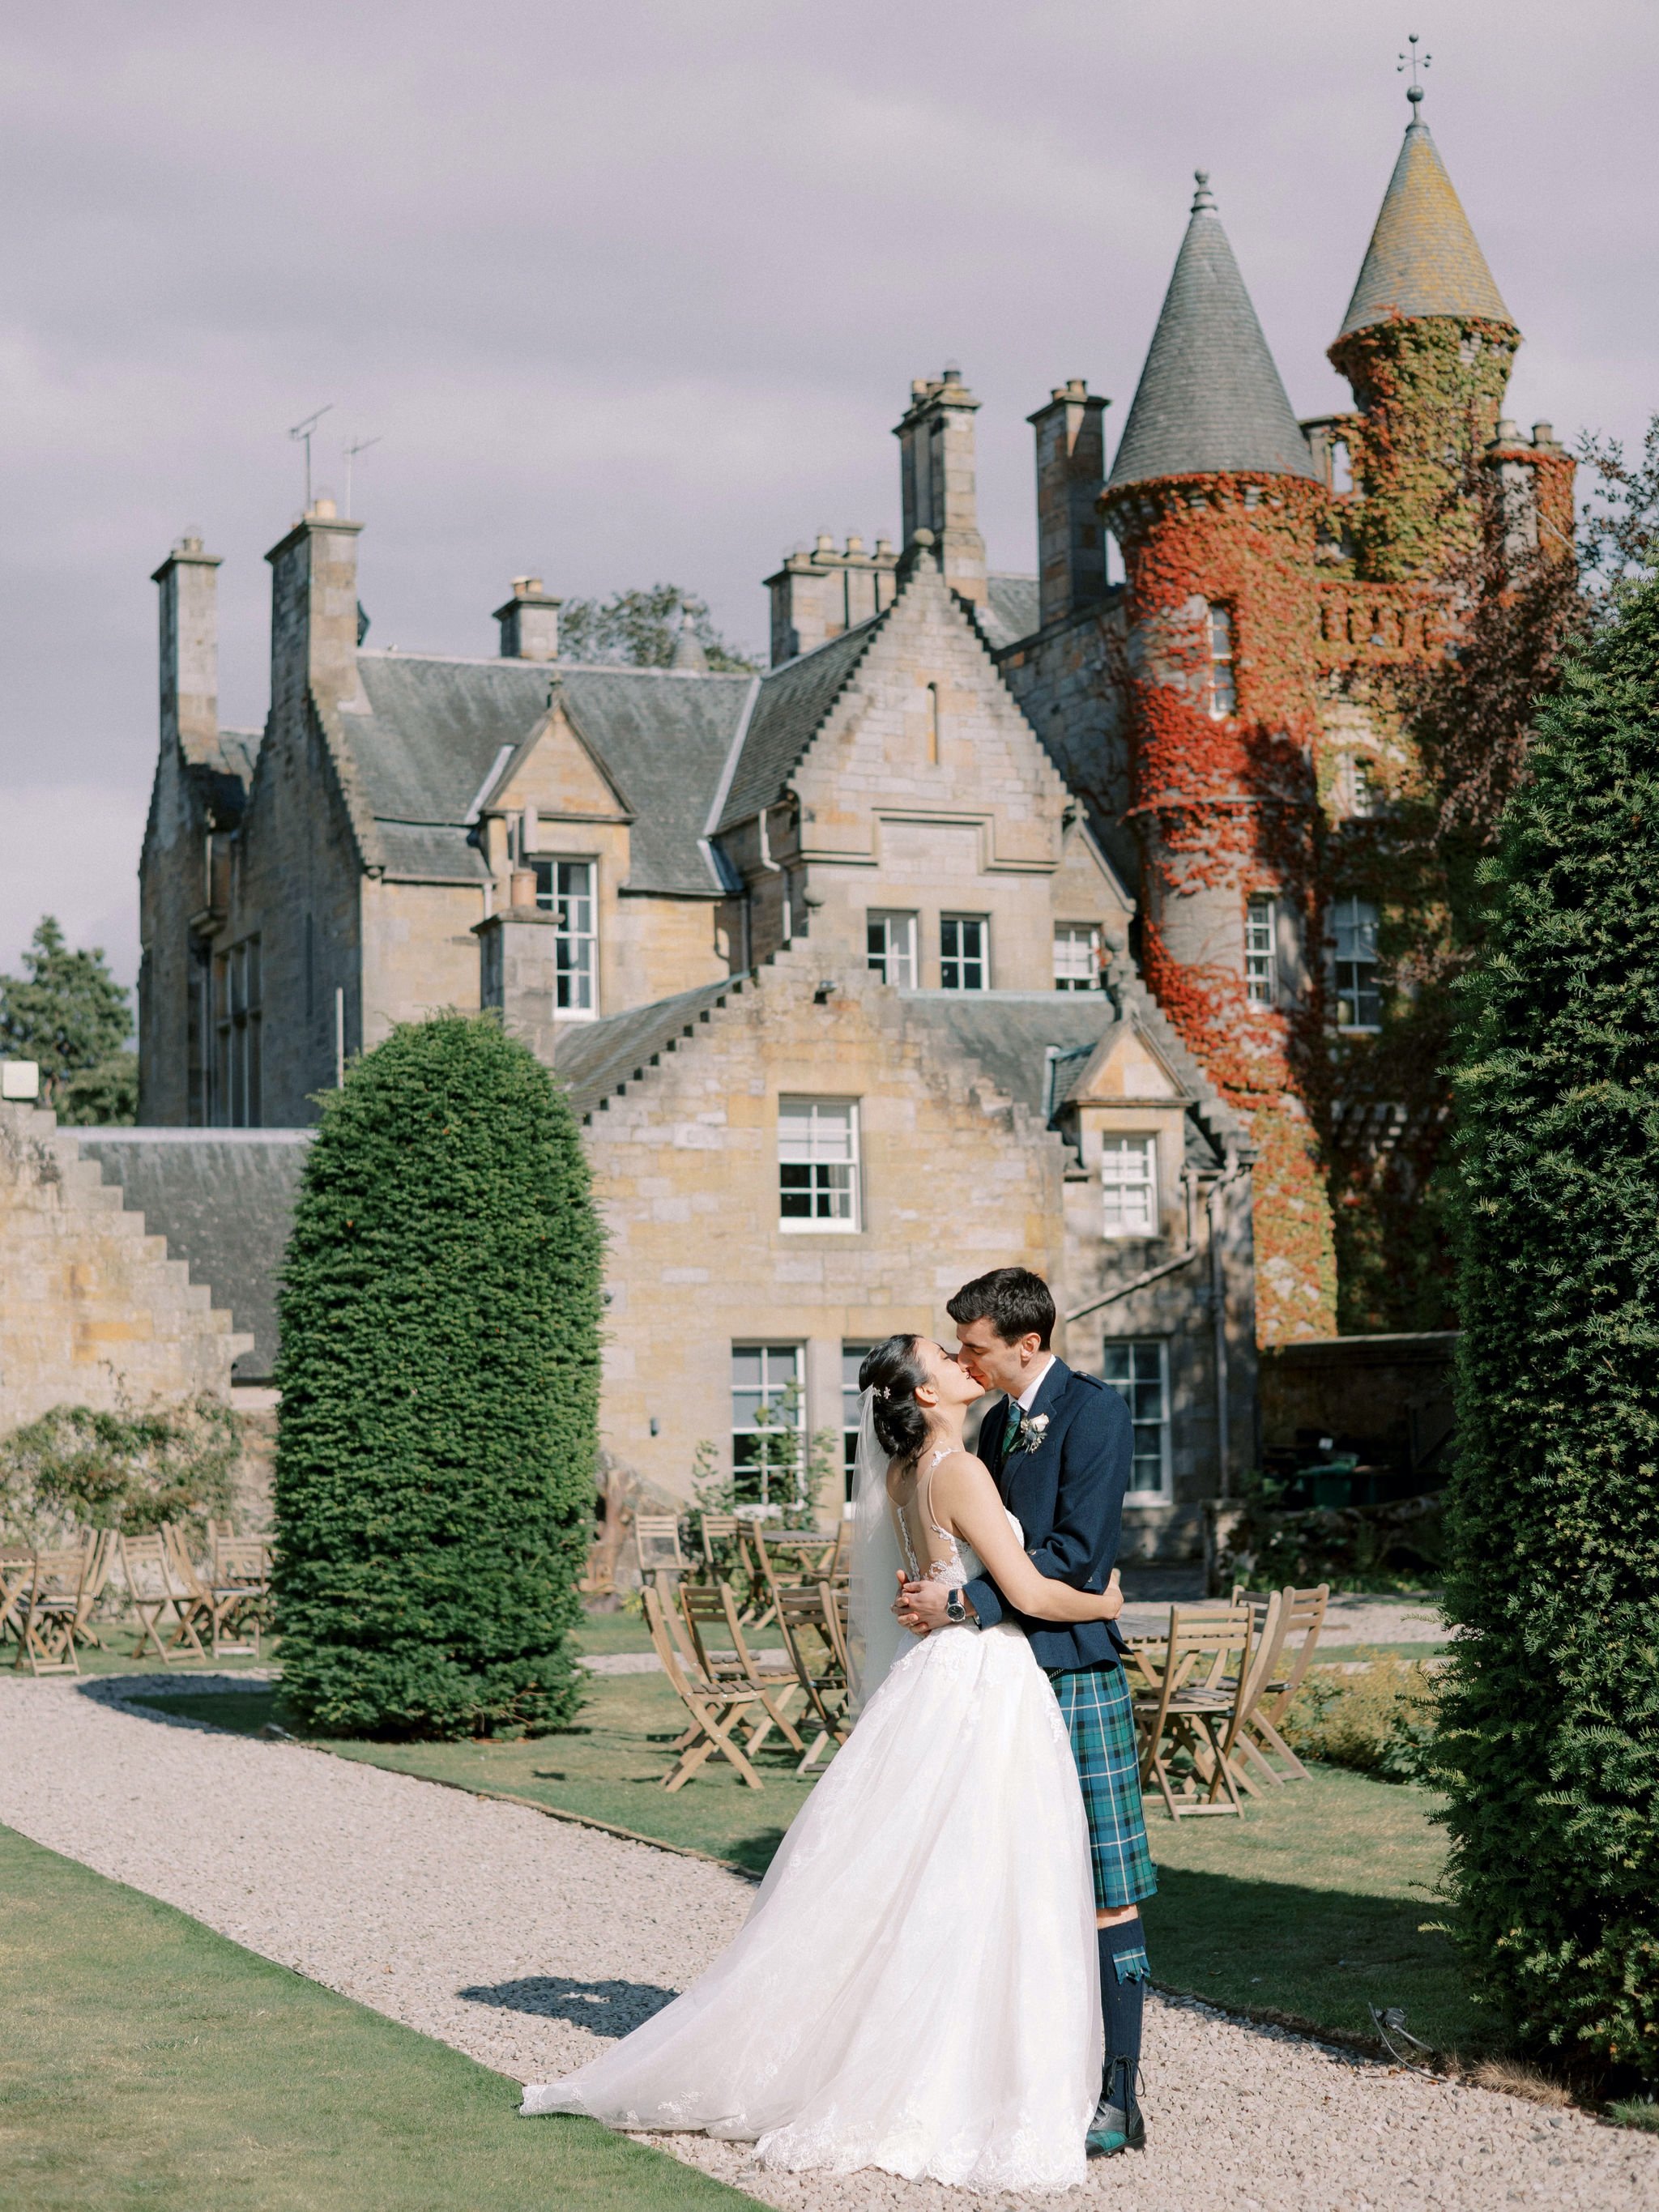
943, 1972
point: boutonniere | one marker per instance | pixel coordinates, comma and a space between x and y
1033, 1432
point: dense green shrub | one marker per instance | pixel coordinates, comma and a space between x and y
1379, 1720
76, 1469
1553, 1707
436, 1445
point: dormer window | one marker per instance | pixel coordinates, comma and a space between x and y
1221, 692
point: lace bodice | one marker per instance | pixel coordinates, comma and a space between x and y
959, 1563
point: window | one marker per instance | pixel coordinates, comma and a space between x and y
963, 950
565, 890
817, 1163
1220, 693
1077, 956
853, 1357
238, 1023
766, 1423
1140, 1375
1358, 999
1261, 961
1364, 798
1128, 1185
891, 941
932, 724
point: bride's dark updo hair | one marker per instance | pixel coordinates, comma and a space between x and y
893, 1371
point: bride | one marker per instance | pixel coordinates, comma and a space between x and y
915, 1988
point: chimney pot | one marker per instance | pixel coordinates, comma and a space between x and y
522, 887
824, 542
323, 508
855, 544
1507, 432
1543, 434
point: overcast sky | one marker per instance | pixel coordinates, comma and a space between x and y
636, 291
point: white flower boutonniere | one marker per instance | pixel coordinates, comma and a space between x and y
1032, 1434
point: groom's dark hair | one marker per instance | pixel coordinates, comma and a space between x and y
1013, 1300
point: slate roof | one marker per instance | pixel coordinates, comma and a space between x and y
1210, 398
1010, 611
436, 728
597, 1059
224, 1200
788, 710
1009, 1033
1423, 258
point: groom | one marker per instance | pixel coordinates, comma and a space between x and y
1058, 1450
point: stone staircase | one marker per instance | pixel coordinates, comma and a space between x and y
92, 1312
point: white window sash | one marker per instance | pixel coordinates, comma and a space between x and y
960, 932
1139, 1356
818, 1162
1128, 1187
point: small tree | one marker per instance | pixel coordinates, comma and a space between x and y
1552, 1711
640, 629
68, 1012
436, 1445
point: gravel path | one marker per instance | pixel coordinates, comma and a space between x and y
525, 1940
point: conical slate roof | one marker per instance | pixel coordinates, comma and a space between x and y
1210, 398
1423, 258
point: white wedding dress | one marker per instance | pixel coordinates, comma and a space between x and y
915, 1987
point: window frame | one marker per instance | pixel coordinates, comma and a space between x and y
885, 919
1262, 949
1220, 667
1160, 1347
1089, 931
1118, 1142
814, 1224
961, 960
1368, 993
551, 897
769, 1394
238, 1036
853, 1356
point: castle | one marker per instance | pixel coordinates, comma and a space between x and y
1002, 918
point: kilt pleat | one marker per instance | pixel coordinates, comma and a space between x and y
1094, 1703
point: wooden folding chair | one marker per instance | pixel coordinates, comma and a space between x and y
194, 1583
715, 1708
714, 1608
1267, 1638
1301, 1614
237, 1592
15, 1562
49, 1606
154, 1591
657, 1539
1193, 1699
820, 1667
99, 1564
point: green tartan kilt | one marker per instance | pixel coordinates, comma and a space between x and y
1094, 1703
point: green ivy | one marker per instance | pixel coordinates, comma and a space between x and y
79, 1467
437, 1441
1553, 1707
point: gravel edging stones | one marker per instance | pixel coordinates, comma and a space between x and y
525, 1942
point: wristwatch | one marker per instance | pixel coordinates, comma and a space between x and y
955, 1611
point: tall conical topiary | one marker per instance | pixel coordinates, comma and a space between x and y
1552, 1712
439, 1383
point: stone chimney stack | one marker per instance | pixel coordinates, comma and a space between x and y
530, 622
1070, 475
189, 584
314, 615
936, 451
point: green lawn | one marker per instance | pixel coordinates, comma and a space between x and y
149, 2062
1314, 1905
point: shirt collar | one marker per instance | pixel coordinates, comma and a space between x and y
1027, 1397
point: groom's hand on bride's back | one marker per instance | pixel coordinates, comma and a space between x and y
922, 1605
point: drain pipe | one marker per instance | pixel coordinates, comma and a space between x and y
1215, 1207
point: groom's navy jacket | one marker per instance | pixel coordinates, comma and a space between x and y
1067, 1494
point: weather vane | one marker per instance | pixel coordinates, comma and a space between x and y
1413, 91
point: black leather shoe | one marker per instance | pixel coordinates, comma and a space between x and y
1117, 2125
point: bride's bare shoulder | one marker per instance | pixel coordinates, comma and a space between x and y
962, 1466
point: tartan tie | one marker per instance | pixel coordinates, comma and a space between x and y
1015, 1418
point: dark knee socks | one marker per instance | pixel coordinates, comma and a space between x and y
1123, 1977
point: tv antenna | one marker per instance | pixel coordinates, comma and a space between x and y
302, 433
357, 445
1409, 60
